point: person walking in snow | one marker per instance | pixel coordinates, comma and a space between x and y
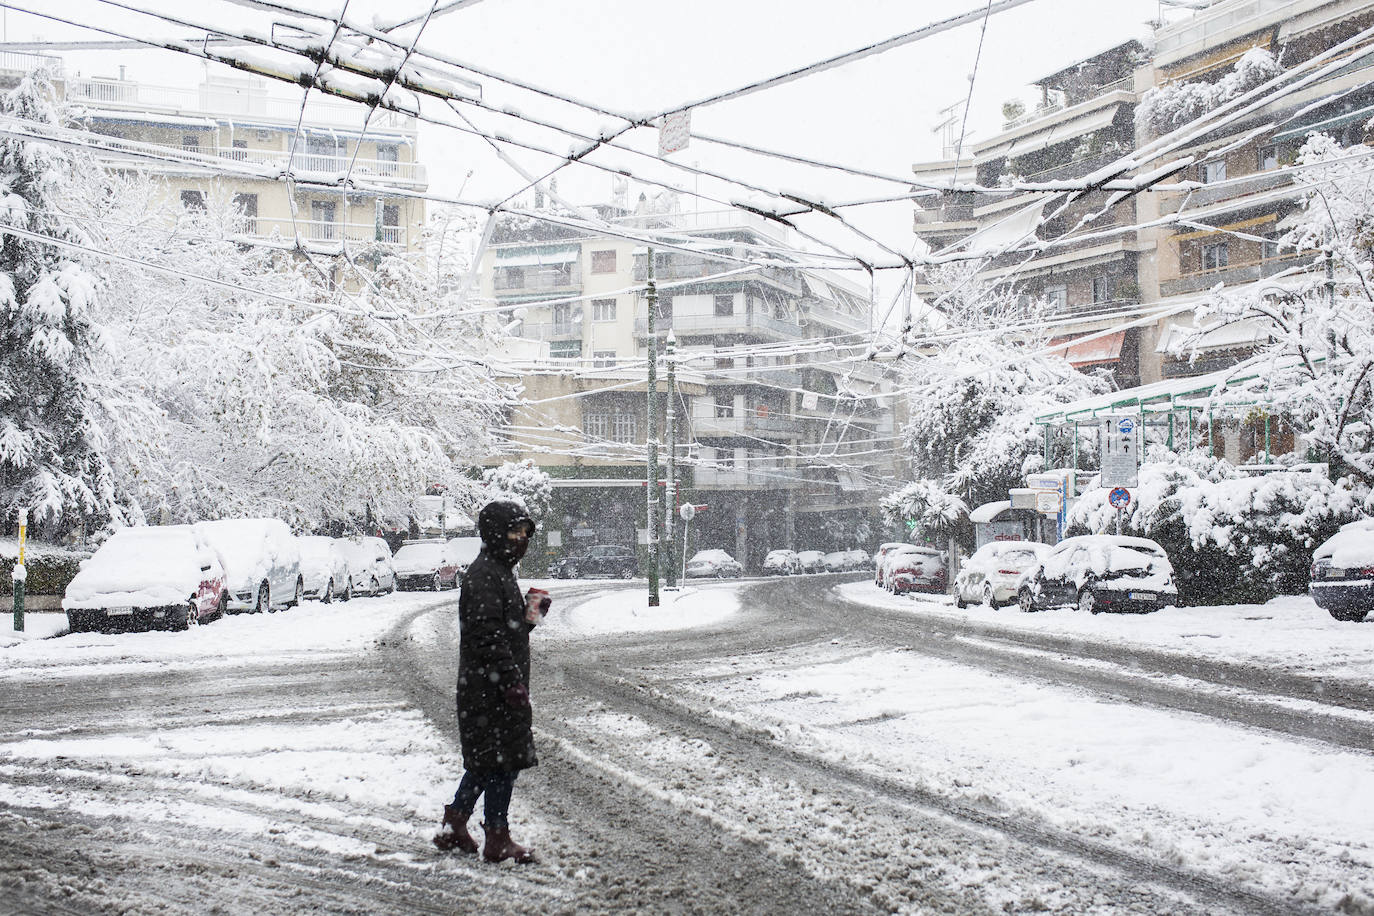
495, 721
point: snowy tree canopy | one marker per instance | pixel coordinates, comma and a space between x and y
1163, 108
973, 399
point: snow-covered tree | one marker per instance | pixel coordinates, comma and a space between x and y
1231, 537
53, 458
974, 390
1318, 363
1163, 108
522, 482
277, 390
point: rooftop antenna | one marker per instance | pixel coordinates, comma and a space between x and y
951, 117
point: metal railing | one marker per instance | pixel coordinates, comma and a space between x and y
328, 165
1241, 272
19, 62
1207, 24
748, 322
326, 231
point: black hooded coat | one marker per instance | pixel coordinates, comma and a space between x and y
494, 651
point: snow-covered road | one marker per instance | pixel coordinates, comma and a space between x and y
732, 750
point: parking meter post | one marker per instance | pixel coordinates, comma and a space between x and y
20, 574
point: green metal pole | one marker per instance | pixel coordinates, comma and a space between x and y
654, 519
1267, 452
670, 490
20, 574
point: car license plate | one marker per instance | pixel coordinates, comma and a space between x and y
1142, 596
1334, 573
118, 611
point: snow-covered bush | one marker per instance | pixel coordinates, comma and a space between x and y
1232, 538
1163, 108
522, 482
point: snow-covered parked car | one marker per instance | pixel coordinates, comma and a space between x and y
881, 554
1101, 572
1343, 572
835, 561
859, 559
429, 564
262, 562
164, 577
324, 569
913, 569
715, 563
993, 574
600, 560
369, 560
812, 561
781, 563
465, 550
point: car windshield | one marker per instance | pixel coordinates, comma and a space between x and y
416, 554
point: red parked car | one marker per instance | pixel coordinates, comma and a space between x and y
914, 569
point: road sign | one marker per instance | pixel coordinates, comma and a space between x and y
687, 510
1120, 456
1119, 498
1047, 502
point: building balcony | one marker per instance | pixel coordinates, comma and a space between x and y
1258, 189
552, 330
754, 474
1230, 275
245, 103
531, 280
744, 423
328, 167
1223, 24
754, 323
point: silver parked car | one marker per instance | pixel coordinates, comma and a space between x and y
324, 568
993, 574
369, 559
715, 563
781, 563
262, 562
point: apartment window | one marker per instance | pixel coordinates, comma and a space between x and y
1212, 172
725, 362
322, 219
1058, 296
665, 307
624, 427
725, 405
603, 262
617, 426
239, 151
725, 306
264, 134
509, 278
388, 154
602, 309
1100, 289
725, 459
1268, 157
190, 142
603, 359
1215, 256
193, 200
391, 215
320, 152
247, 205
565, 349
1272, 248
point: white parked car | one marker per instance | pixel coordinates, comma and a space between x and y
1101, 572
812, 561
465, 550
715, 563
835, 561
993, 574
781, 563
369, 559
262, 562
163, 577
859, 559
324, 569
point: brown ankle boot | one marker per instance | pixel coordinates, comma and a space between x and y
454, 831
500, 847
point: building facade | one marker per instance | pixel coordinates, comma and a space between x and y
776, 424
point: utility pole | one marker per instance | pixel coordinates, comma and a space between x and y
654, 519
670, 490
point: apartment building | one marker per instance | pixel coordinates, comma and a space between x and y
783, 447
249, 123
1083, 121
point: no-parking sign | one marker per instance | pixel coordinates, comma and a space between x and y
1119, 498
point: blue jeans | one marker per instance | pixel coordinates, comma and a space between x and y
495, 789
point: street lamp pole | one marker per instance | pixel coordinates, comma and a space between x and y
654, 518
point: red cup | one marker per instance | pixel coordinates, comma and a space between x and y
537, 603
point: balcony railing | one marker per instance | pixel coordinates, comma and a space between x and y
744, 423
536, 279
1209, 25
755, 472
325, 231
552, 330
747, 323
236, 101
1231, 274
19, 62
1237, 189
332, 166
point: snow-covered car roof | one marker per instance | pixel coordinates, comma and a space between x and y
250, 547
422, 557
715, 554
810, 554
316, 547
465, 549
779, 554
1352, 546
140, 567
1008, 552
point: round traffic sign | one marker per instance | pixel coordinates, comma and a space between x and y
1119, 498
687, 510
1126, 425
